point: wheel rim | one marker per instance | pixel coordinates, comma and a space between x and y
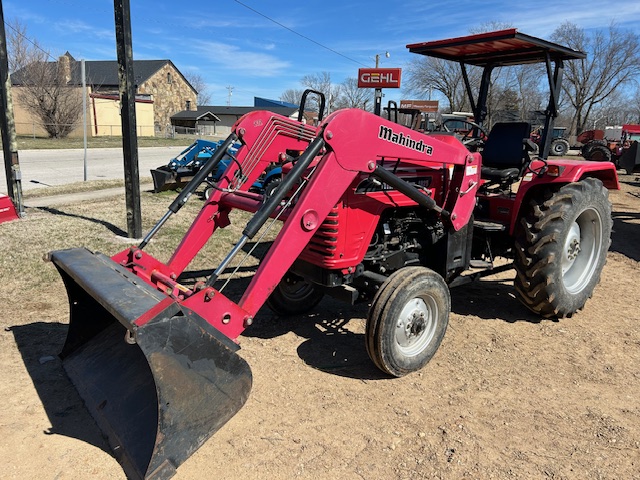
581, 251
295, 289
558, 148
416, 325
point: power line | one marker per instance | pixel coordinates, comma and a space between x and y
17, 32
299, 34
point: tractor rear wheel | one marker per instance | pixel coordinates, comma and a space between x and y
407, 320
559, 147
294, 296
561, 247
599, 153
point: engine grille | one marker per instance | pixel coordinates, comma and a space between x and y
325, 241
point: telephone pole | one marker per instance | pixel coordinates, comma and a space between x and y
8, 126
128, 114
230, 90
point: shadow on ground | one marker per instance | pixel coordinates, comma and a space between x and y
491, 299
109, 226
39, 343
626, 234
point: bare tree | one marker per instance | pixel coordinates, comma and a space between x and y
292, 95
321, 82
613, 61
527, 85
42, 87
44, 91
198, 82
427, 74
351, 96
635, 107
21, 50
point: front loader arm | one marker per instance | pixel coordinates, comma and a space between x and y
266, 137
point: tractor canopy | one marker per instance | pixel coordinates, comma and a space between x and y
503, 48
497, 49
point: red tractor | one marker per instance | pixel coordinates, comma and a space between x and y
371, 211
602, 147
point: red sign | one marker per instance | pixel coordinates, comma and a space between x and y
379, 77
425, 106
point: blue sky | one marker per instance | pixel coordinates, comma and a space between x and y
233, 43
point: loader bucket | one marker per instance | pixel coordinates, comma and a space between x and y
630, 159
158, 390
164, 179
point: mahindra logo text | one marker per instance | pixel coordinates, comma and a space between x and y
387, 133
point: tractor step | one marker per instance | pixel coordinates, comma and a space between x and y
488, 226
477, 263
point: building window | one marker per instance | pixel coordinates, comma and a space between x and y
188, 105
169, 79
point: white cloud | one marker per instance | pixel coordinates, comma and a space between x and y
72, 27
232, 57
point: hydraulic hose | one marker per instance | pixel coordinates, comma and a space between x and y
409, 190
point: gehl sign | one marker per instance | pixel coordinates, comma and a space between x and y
379, 77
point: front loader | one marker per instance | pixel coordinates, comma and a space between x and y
367, 211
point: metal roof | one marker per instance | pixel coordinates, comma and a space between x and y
102, 73
499, 48
229, 110
105, 72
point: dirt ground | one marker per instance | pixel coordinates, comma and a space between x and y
507, 395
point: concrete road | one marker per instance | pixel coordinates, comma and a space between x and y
43, 168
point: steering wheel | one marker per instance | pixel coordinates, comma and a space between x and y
466, 138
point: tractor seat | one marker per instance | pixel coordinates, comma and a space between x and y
506, 152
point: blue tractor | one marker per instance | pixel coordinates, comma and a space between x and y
184, 166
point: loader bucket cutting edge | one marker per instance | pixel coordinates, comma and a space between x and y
164, 178
158, 400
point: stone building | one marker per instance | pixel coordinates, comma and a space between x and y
161, 91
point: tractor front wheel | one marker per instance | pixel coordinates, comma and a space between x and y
271, 186
559, 147
294, 296
407, 320
561, 248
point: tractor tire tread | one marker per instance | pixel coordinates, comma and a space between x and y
538, 242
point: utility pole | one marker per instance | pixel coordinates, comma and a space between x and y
128, 115
377, 107
230, 90
8, 126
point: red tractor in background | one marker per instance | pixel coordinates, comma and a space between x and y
368, 211
559, 143
609, 146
